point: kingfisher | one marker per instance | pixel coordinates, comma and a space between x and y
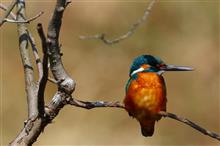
146, 90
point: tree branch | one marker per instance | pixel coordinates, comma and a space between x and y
8, 11
30, 85
23, 21
66, 83
5, 8
91, 105
98, 104
131, 31
43, 78
191, 124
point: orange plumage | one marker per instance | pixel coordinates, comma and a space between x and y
145, 97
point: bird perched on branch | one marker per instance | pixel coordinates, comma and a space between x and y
146, 90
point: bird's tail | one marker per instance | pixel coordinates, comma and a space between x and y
147, 127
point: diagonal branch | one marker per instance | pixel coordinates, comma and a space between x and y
191, 124
8, 11
131, 31
5, 8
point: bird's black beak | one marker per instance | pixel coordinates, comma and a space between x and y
175, 68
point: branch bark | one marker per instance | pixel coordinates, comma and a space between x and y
66, 83
30, 85
44, 76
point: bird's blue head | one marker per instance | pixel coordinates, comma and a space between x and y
149, 63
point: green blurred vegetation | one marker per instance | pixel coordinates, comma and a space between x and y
180, 32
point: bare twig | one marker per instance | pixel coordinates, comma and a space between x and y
8, 11
191, 124
131, 31
5, 8
23, 21
95, 104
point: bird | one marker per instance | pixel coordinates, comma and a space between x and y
146, 90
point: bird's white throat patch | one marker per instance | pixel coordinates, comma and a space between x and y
137, 70
142, 69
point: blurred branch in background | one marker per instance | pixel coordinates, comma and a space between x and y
131, 31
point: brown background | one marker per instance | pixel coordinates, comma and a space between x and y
180, 32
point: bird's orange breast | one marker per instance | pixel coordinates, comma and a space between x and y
146, 95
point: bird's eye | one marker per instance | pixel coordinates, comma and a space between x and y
161, 65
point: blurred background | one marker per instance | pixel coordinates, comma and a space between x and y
180, 32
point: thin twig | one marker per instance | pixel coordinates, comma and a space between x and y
5, 8
8, 11
95, 104
131, 31
23, 21
191, 124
